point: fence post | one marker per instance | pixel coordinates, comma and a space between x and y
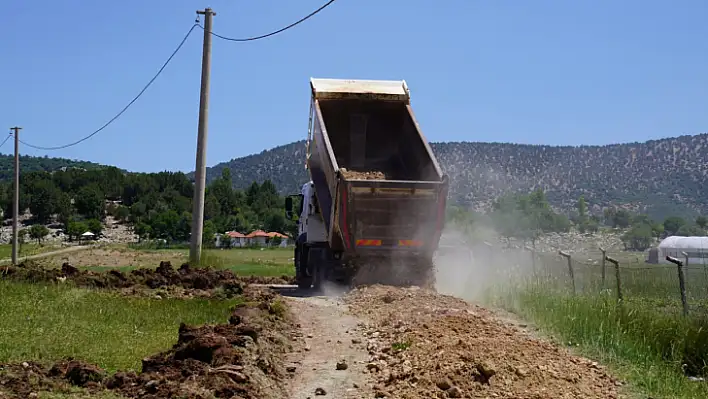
604, 254
685, 256
570, 268
682, 282
617, 275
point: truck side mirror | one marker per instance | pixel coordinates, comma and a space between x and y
289, 208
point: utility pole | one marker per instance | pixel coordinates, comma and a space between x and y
195, 249
16, 199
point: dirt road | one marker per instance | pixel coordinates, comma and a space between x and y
412, 343
47, 254
330, 360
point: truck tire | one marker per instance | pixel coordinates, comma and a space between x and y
318, 267
303, 281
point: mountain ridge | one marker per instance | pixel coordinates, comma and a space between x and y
658, 176
29, 163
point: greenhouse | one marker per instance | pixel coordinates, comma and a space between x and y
695, 247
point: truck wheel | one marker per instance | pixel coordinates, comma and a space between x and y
317, 266
303, 281
319, 273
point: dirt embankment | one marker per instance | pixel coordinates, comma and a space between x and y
240, 359
185, 281
426, 345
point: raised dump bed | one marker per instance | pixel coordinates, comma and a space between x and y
378, 184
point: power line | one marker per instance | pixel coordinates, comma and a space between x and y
126, 107
6, 138
250, 39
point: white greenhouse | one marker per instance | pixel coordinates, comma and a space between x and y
695, 247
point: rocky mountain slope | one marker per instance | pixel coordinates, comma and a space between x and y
660, 177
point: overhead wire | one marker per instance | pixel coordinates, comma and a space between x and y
250, 39
5, 141
164, 65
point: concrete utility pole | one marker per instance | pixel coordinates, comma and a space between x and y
195, 249
16, 199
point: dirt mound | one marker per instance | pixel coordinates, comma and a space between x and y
393, 272
163, 276
363, 175
240, 359
423, 344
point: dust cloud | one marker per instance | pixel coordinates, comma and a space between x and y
471, 268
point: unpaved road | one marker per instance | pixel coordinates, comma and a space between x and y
47, 254
413, 343
330, 336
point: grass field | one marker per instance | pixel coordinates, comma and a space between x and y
266, 262
51, 322
24, 250
48, 322
645, 338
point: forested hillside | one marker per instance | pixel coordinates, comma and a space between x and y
659, 177
34, 164
157, 205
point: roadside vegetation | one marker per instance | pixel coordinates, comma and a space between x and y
49, 322
645, 338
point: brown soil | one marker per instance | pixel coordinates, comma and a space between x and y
241, 359
329, 356
115, 258
362, 175
427, 345
164, 277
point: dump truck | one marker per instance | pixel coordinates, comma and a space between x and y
374, 208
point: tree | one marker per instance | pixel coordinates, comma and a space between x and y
164, 225
621, 218
90, 203
208, 234
582, 210
638, 238
690, 230
702, 222
527, 216
672, 224
274, 221
137, 211
94, 226
75, 228
142, 230
64, 209
43, 201
38, 232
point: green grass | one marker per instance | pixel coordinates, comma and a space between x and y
49, 322
271, 262
645, 340
24, 250
267, 262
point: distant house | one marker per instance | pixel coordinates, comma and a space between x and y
283, 238
258, 238
237, 239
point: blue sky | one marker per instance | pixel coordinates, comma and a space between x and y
540, 72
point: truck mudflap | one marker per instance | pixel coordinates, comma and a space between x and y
387, 216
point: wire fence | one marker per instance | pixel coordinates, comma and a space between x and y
680, 285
